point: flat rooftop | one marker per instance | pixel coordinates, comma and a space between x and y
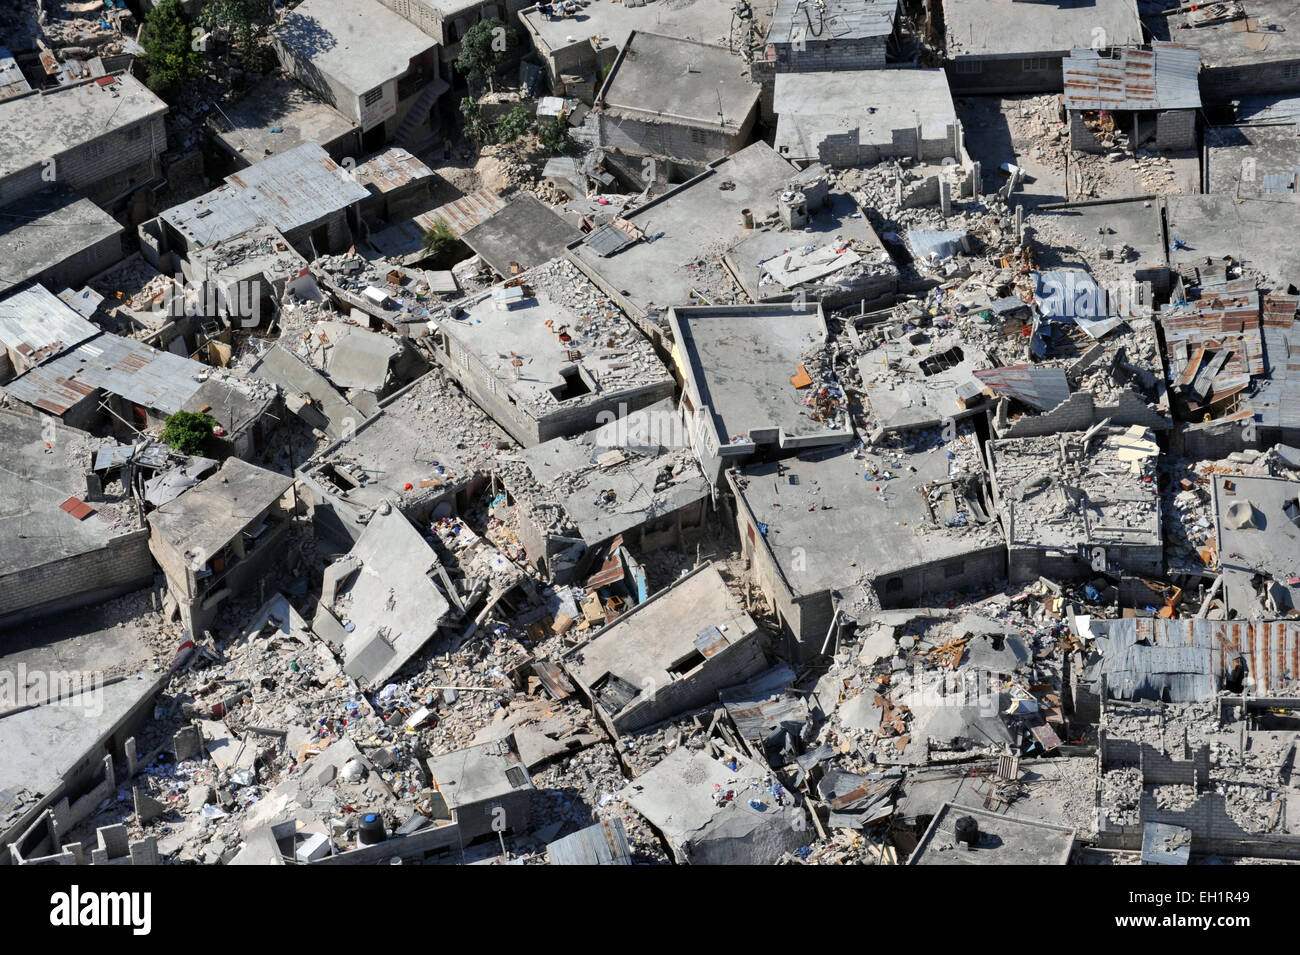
1003, 840
667, 79
46, 125
293, 189
1257, 232
44, 231
740, 360
1260, 154
430, 436
874, 104
643, 646
301, 117
576, 470
698, 223
807, 500
526, 233
607, 351
922, 377
708, 21
1270, 543
1273, 34
36, 482
209, 515
89, 646
360, 44
261, 252
1013, 28
478, 773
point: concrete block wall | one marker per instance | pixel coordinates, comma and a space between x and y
1080, 412
1176, 129
1005, 76
864, 53
915, 586
76, 268
1223, 83
124, 564
99, 168
689, 144
1081, 137
734, 664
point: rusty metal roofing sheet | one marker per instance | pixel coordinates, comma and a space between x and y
12, 81
1191, 659
36, 325
1220, 333
138, 372
1163, 77
391, 169
466, 212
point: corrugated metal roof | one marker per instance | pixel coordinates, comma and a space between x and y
1215, 340
466, 212
390, 169
605, 843
36, 325
1163, 77
298, 187
1191, 659
794, 21
139, 373
12, 81
1037, 386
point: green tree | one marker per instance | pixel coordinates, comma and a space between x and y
554, 137
476, 127
485, 48
188, 431
244, 24
443, 245
171, 53
514, 124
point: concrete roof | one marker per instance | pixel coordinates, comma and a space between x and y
666, 79
283, 368
614, 355
1004, 840
526, 232
208, 516
1276, 35
874, 103
361, 43
707, 21
677, 797
891, 535
89, 646
993, 28
45, 230
700, 221
643, 645
476, 774
46, 125
293, 189
1106, 503
392, 600
302, 117
906, 392
570, 468
1254, 159
738, 361
33, 483
1270, 547
1256, 231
